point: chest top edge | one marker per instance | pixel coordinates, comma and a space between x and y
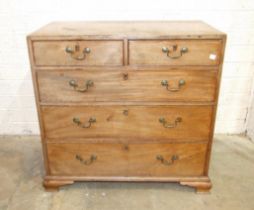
128, 30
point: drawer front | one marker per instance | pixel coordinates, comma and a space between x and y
160, 160
175, 52
81, 53
120, 86
128, 123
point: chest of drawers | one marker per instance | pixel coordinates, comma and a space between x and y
127, 101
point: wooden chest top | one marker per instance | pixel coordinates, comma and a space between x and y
130, 29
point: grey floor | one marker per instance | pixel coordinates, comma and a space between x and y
231, 170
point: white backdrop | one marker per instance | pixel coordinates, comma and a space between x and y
20, 17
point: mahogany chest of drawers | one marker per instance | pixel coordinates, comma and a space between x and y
127, 101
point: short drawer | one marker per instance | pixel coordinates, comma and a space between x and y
175, 52
78, 53
159, 160
128, 123
121, 86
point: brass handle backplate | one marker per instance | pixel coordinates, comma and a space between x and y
166, 124
74, 84
88, 161
171, 51
167, 162
84, 125
165, 83
75, 52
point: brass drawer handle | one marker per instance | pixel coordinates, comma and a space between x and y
166, 124
84, 125
165, 83
174, 49
88, 83
167, 162
86, 162
75, 52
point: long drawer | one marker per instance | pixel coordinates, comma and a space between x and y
128, 123
120, 86
175, 52
160, 160
78, 53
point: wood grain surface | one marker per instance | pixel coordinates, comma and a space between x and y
200, 52
122, 86
140, 123
130, 160
52, 53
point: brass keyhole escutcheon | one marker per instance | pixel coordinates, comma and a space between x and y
126, 147
126, 112
125, 76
